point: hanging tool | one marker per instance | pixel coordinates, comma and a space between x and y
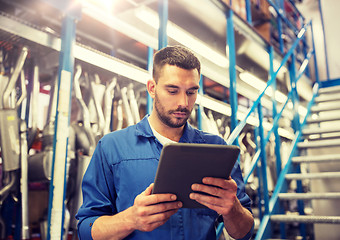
108, 101
133, 103
126, 106
97, 90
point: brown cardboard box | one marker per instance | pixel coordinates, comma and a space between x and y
264, 30
264, 6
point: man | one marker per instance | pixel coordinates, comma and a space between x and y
117, 199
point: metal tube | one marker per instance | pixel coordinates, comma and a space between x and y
109, 94
97, 104
14, 76
133, 103
25, 232
23, 89
35, 98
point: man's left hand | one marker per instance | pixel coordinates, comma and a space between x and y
223, 194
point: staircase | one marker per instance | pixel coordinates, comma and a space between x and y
312, 211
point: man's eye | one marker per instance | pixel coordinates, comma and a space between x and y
172, 91
191, 92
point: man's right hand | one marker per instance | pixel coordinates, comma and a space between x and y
148, 212
153, 210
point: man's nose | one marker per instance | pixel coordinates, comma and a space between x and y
183, 100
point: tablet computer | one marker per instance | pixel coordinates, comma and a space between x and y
183, 164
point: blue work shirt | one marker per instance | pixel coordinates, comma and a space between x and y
124, 164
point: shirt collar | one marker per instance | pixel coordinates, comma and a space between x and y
190, 134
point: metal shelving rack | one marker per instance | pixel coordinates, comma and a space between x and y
114, 65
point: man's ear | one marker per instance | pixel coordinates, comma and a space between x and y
151, 87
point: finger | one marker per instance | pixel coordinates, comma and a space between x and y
215, 191
158, 208
148, 190
159, 198
162, 217
204, 199
220, 182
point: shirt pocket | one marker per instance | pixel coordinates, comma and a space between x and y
132, 177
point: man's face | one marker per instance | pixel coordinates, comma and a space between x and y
175, 95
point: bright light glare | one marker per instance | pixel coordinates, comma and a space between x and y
106, 5
175, 32
257, 83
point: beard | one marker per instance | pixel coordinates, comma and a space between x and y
166, 116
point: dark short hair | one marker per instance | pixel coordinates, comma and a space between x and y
177, 56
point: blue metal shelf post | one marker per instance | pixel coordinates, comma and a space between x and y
150, 64
263, 160
248, 12
58, 180
163, 20
232, 70
295, 97
276, 134
200, 107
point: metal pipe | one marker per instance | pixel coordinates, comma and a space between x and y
79, 97
14, 77
109, 94
23, 89
25, 231
97, 104
126, 106
35, 98
133, 103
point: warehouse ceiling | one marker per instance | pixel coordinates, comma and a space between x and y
126, 34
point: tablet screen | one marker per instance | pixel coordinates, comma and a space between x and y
182, 164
